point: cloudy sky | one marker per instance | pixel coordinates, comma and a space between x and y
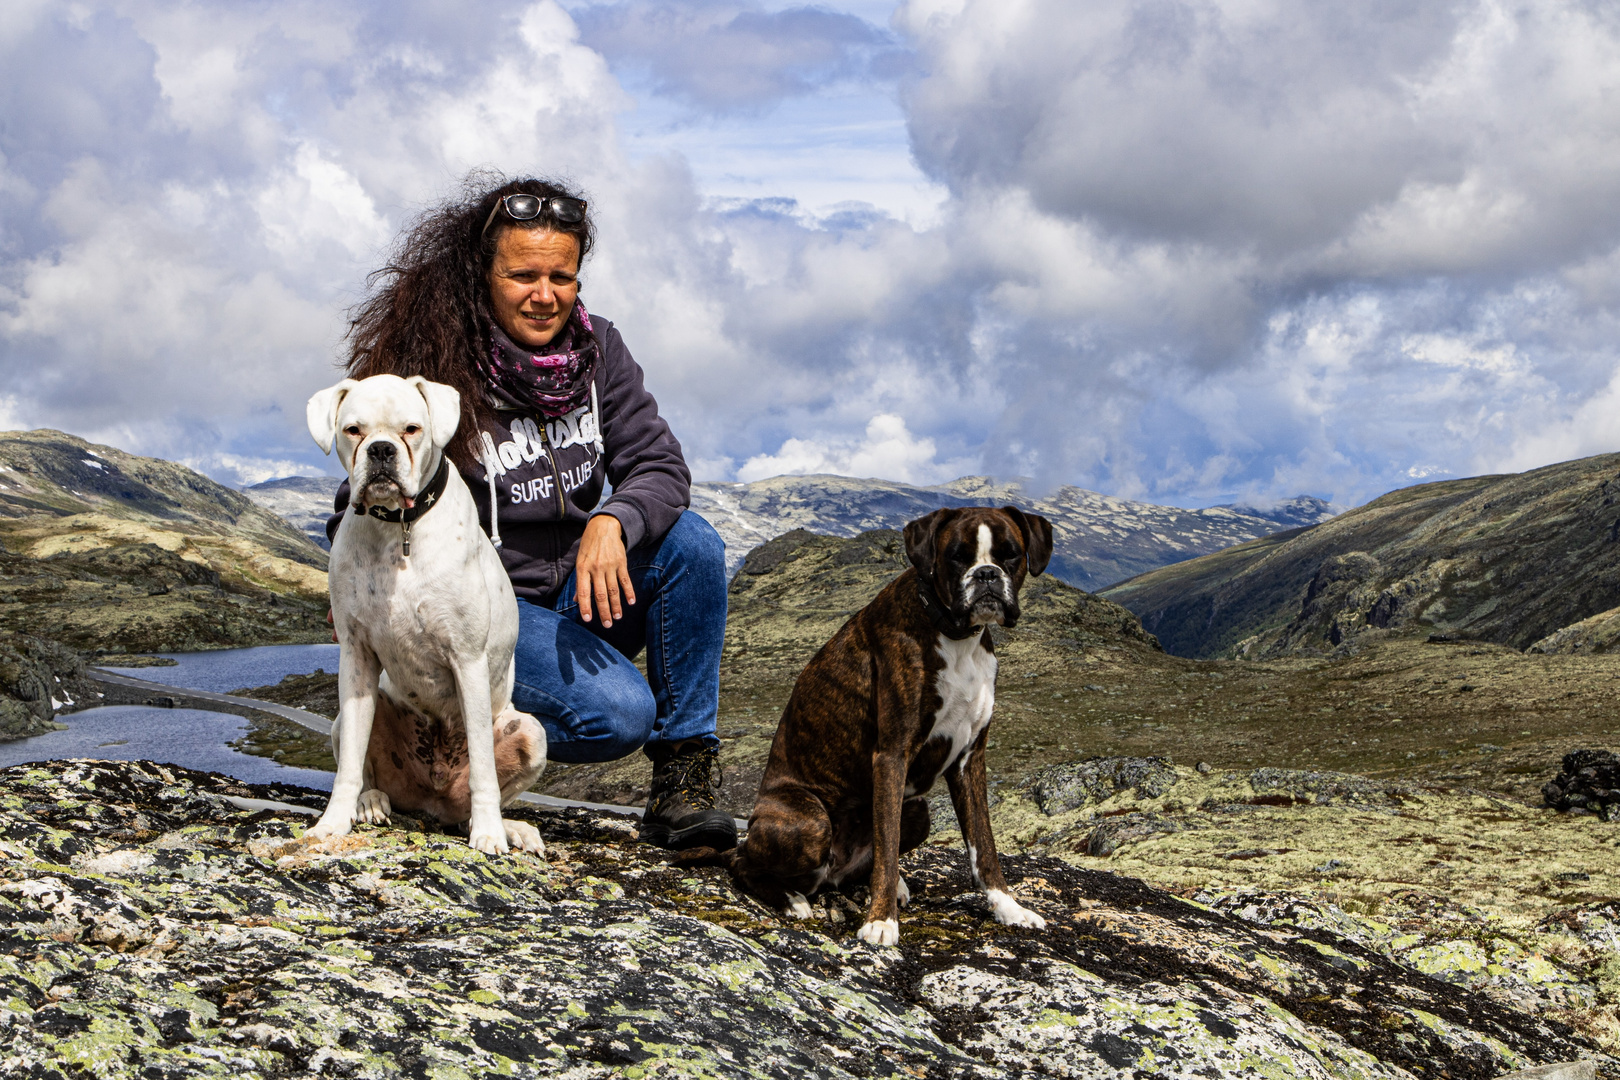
1176, 251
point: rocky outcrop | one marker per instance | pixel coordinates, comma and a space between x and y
1061, 788
1592, 636
37, 678
161, 923
1588, 783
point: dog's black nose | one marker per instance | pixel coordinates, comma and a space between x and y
380, 451
986, 573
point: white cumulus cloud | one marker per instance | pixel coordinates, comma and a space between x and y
886, 449
1187, 250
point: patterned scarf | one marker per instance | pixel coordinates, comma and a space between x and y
556, 381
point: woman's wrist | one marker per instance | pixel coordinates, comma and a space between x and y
613, 518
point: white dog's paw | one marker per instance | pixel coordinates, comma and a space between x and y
330, 825
373, 807
798, 906
902, 893
487, 833
880, 932
1010, 912
523, 836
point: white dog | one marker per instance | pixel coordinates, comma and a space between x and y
427, 622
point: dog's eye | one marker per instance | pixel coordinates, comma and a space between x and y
352, 429
412, 429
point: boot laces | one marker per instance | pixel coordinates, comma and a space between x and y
686, 777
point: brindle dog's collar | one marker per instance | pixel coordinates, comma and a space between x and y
943, 619
425, 500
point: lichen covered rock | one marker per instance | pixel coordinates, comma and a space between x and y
1588, 783
1061, 788
155, 922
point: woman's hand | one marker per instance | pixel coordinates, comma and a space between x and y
601, 570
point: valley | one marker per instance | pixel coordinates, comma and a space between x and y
1353, 741
104, 553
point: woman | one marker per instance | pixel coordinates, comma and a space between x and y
483, 295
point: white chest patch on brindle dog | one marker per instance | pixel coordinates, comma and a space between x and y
967, 689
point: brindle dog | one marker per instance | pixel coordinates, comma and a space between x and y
899, 697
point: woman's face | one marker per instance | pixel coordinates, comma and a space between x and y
533, 282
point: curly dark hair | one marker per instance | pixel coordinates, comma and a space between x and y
427, 311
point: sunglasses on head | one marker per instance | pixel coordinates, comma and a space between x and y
520, 207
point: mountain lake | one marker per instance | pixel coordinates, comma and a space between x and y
194, 738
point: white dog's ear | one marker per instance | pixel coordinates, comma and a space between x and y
444, 409
321, 413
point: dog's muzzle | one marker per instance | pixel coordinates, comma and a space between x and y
379, 476
987, 597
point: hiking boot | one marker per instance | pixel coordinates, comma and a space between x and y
680, 805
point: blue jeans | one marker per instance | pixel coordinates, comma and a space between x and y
576, 678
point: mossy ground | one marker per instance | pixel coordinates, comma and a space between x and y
149, 927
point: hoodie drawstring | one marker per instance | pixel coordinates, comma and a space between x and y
596, 414
490, 462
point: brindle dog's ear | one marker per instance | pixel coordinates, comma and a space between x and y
1037, 537
920, 540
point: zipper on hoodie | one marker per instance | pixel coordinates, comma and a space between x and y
545, 444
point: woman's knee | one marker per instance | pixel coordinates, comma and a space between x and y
606, 720
694, 541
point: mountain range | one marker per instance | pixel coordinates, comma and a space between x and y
1100, 539
304, 502
1525, 560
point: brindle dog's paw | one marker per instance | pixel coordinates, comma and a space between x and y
373, 807
523, 836
798, 906
1010, 912
902, 892
880, 932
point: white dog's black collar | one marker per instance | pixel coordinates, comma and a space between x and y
425, 500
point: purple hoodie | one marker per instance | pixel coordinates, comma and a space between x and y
549, 474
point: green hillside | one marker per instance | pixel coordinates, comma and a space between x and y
1502, 559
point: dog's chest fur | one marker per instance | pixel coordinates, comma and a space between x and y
393, 611
966, 686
